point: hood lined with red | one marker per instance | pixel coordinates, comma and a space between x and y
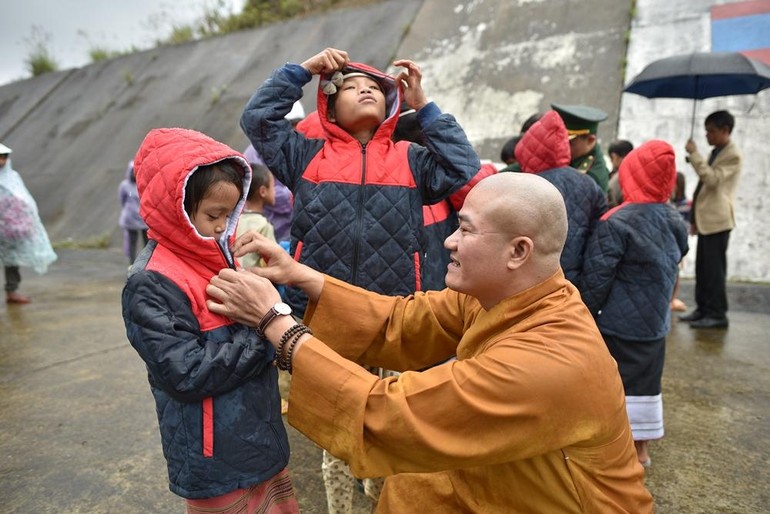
544, 146
648, 173
164, 163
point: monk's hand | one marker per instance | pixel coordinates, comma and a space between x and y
411, 80
279, 267
690, 146
241, 296
326, 61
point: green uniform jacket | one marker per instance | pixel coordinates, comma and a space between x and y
593, 163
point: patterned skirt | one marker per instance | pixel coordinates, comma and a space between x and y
640, 364
274, 496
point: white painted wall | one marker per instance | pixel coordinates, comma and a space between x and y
663, 28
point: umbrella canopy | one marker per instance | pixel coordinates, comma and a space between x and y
701, 75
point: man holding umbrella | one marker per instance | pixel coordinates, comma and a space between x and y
712, 219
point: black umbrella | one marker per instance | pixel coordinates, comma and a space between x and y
701, 75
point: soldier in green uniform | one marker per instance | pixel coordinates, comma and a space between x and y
582, 123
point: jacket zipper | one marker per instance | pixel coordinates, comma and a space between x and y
359, 219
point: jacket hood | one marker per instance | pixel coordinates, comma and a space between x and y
130, 170
163, 164
544, 146
392, 103
648, 173
311, 126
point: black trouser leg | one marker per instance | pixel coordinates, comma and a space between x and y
711, 274
133, 237
12, 278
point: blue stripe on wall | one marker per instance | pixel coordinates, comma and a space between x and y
743, 33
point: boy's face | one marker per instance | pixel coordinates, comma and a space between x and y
582, 145
268, 192
615, 159
717, 136
210, 218
360, 104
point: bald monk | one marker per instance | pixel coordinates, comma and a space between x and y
530, 417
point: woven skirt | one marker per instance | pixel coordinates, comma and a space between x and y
275, 496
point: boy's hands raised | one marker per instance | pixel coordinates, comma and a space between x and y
327, 61
411, 81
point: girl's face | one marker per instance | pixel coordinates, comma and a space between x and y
210, 218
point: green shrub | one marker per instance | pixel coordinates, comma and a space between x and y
39, 60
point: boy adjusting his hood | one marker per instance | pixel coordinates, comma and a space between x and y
358, 195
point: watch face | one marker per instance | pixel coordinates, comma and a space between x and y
282, 308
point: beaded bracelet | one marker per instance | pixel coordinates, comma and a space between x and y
285, 339
285, 363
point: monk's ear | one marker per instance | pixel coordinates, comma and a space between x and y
520, 251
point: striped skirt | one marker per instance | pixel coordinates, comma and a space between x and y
275, 496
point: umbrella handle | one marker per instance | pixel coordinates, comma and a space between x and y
692, 123
694, 103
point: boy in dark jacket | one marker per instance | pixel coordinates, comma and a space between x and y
358, 196
629, 271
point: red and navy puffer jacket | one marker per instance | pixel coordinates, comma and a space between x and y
216, 391
631, 262
358, 208
544, 150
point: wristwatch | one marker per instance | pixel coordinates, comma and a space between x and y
279, 309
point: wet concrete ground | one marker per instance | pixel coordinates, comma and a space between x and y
78, 432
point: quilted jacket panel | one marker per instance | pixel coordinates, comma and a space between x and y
632, 259
358, 210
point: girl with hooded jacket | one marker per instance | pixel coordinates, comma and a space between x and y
629, 271
213, 380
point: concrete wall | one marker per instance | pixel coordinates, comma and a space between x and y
663, 28
491, 63
73, 132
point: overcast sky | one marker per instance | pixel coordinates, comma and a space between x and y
74, 27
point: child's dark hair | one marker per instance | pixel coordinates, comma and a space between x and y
508, 151
620, 147
721, 119
679, 193
206, 176
260, 176
530, 121
408, 128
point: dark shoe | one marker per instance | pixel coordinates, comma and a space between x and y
14, 297
693, 316
710, 323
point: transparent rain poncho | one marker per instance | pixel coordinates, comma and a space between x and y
23, 239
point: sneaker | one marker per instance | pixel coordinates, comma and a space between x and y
14, 297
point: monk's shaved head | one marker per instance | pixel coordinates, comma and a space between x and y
525, 204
